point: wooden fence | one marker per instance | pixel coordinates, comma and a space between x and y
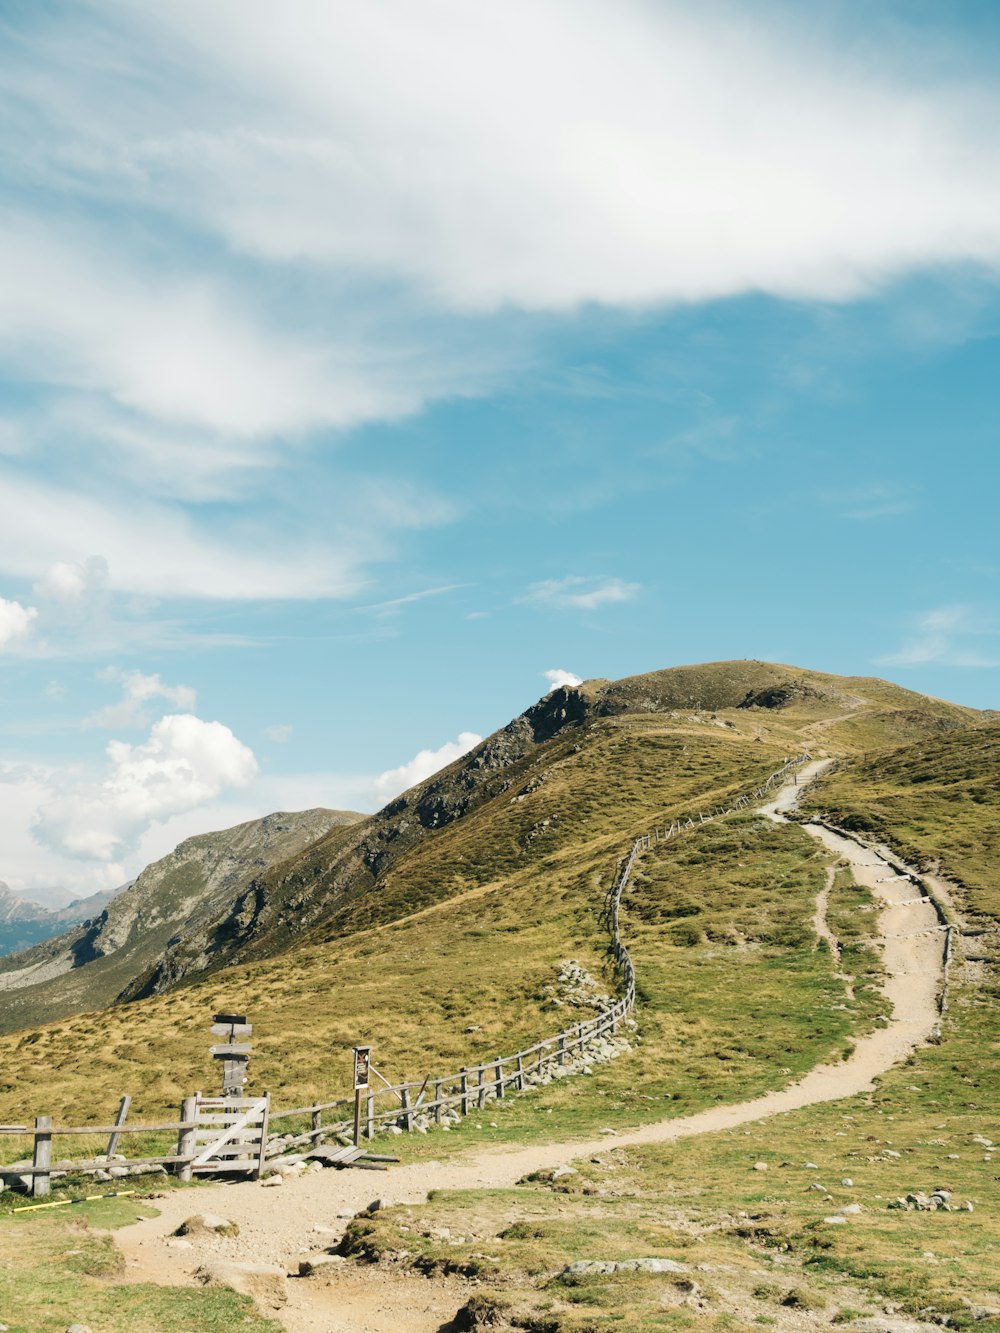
464, 1091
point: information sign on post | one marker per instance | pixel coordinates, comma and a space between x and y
362, 1071
362, 1065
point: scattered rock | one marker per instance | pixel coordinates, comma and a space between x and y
75, 1328
600, 1267
272, 1180
835, 1220
561, 1171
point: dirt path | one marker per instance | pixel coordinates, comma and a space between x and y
276, 1225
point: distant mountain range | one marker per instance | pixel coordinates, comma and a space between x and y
24, 923
114, 942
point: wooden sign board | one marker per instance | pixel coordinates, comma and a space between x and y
231, 1051
231, 1029
229, 1018
362, 1067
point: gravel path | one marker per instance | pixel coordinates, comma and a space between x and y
276, 1223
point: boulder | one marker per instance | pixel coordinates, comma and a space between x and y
207, 1224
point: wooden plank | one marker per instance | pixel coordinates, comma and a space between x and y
229, 1018
230, 1051
215, 1102
220, 1118
123, 1106
231, 1030
262, 1146
122, 1129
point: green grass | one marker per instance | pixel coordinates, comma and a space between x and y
61, 1267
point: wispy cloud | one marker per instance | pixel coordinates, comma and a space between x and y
576, 593
395, 604
955, 635
137, 690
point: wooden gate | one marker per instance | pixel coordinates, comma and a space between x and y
230, 1134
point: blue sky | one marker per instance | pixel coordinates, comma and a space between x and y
361, 365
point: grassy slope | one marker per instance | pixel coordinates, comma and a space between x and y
410, 986
58, 1269
720, 925
770, 1258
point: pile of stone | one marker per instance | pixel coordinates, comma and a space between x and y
575, 986
939, 1201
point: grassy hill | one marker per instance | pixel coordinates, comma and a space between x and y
436, 931
455, 906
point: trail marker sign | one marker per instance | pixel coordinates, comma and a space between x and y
362, 1067
235, 1056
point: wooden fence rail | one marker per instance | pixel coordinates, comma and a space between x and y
465, 1090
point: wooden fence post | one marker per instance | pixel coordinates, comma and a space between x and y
317, 1127
499, 1084
42, 1157
562, 1048
520, 1072
370, 1115
481, 1094
262, 1150
464, 1077
123, 1106
185, 1138
407, 1113
438, 1108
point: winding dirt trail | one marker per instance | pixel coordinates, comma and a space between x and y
276, 1225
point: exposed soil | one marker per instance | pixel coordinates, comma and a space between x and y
276, 1224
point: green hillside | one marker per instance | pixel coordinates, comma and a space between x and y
437, 931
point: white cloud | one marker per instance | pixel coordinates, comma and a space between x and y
421, 766
579, 594
137, 689
69, 584
180, 348
950, 636
558, 678
279, 733
545, 153
185, 763
16, 622
157, 550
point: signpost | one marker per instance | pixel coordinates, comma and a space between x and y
235, 1055
362, 1074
